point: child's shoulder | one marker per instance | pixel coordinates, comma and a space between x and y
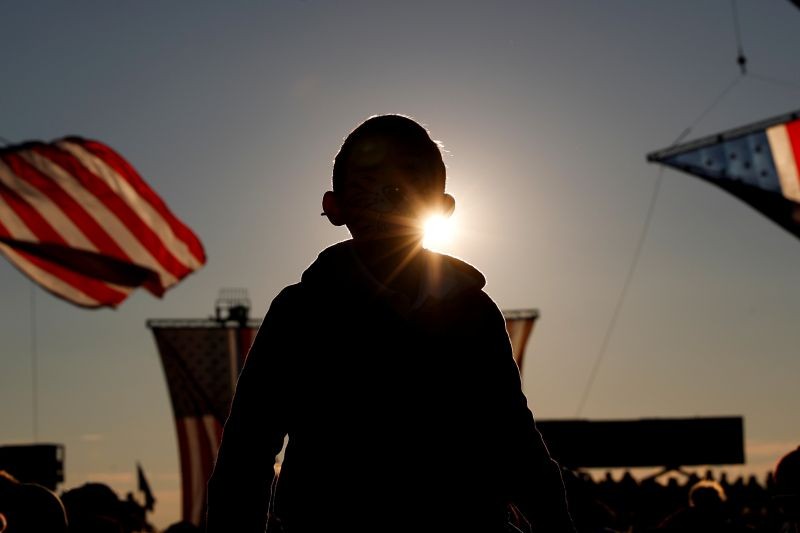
448, 276
461, 268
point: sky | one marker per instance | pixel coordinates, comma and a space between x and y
234, 111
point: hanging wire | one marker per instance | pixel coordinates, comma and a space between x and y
775, 81
628, 278
648, 218
741, 60
728, 88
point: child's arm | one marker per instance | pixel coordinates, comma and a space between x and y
541, 495
537, 487
239, 488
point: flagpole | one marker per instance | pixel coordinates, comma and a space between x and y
34, 366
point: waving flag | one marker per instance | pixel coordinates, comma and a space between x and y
79, 220
757, 163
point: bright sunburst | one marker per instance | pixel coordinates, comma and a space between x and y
438, 232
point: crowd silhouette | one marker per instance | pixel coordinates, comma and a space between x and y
685, 502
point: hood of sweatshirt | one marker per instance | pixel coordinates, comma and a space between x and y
339, 272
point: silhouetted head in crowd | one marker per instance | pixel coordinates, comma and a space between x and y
787, 484
29, 508
707, 495
93, 507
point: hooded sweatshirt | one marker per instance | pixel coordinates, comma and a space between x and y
402, 414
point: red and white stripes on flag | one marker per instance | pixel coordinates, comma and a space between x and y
202, 360
198, 444
79, 220
519, 324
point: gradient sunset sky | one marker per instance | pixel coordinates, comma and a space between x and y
233, 112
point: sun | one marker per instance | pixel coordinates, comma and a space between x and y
439, 232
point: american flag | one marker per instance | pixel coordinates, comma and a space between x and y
758, 163
202, 360
79, 220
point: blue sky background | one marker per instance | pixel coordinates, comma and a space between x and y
234, 112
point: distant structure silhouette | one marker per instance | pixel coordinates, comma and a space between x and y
404, 410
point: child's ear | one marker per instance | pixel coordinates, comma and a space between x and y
448, 205
332, 209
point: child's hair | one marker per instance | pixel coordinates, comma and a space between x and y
397, 128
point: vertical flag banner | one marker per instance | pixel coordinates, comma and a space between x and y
77, 219
757, 163
519, 324
202, 360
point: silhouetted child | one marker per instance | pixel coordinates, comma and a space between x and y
391, 372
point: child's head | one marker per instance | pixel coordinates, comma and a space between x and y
387, 178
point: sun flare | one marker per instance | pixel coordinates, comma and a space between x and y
439, 232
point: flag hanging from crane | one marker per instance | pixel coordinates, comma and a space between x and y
202, 360
78, 219
758, 163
